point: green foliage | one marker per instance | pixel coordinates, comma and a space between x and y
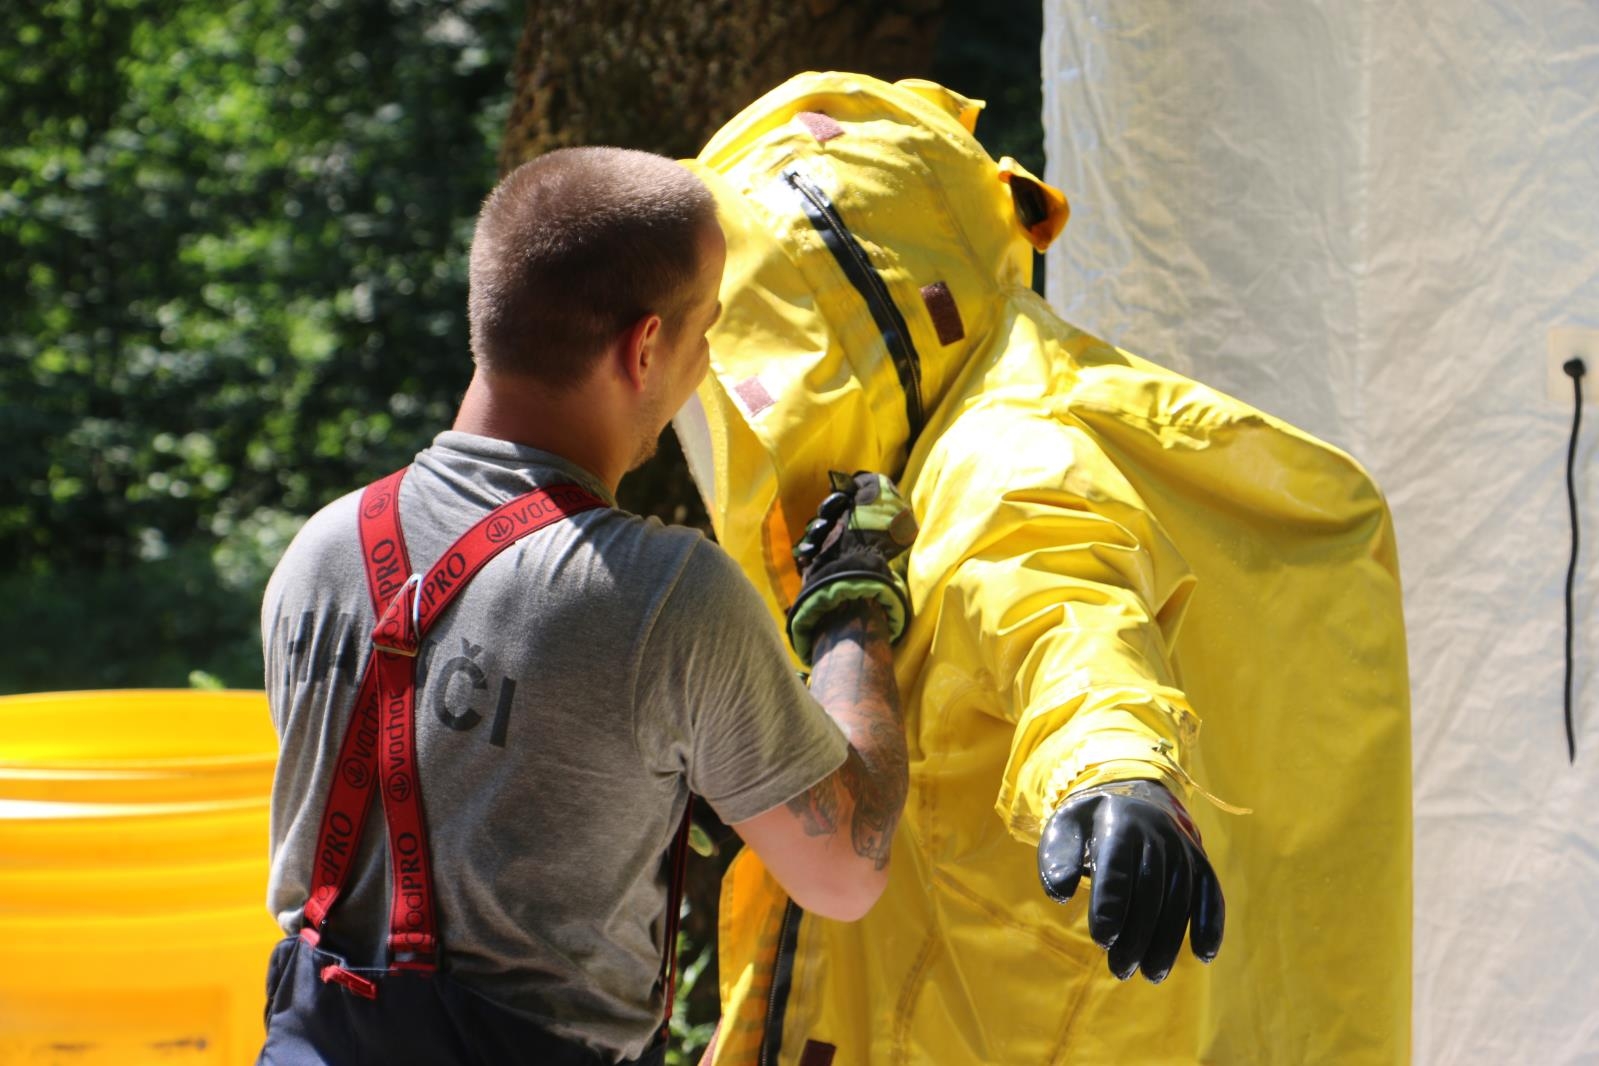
690, 1035
233, 287
141, 626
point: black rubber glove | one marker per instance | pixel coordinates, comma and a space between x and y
1150, 877
848, 552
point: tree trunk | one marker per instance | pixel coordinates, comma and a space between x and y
662, 75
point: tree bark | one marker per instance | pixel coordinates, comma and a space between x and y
662, 75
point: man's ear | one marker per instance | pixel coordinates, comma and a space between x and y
639, 349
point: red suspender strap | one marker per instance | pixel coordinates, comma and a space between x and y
387, 566
407, 618
382, 734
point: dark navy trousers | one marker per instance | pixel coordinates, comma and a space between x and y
426, 1020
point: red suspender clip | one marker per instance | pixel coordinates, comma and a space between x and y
338, 975
380, 743
399, 628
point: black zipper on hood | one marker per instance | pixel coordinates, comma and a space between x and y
857, 266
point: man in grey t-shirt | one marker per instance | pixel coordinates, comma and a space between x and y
590, 677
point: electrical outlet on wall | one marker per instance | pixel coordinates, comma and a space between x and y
1566, 342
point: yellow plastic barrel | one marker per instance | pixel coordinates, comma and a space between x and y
133, 866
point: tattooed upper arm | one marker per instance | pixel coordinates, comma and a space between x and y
817, 808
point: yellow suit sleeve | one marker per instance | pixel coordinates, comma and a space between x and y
1069, 595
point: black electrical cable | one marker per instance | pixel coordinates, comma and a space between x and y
1574, 368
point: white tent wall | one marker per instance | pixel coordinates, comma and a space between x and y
1364, 218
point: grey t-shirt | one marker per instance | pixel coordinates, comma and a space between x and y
587, 679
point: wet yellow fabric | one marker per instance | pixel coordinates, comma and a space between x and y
1121, 573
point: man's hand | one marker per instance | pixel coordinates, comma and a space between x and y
1150, 877
861, 528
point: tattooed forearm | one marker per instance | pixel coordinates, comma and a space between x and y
817, 808
853, 679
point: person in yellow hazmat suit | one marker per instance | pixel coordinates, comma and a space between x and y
1110, 555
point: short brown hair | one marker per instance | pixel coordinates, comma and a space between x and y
574, 247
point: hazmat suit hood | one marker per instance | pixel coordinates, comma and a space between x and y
838, 342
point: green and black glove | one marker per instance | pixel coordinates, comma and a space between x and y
853, 550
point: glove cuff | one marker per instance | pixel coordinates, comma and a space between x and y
855, 578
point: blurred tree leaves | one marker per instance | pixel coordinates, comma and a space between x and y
233, 266
233, 285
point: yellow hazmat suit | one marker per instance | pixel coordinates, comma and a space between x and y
1110, 553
